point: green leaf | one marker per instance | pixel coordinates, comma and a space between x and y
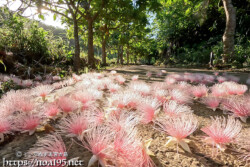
54, 17
41, 16
1, 61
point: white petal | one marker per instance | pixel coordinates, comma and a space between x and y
171, 141
92, 160
185, 146
243, 119
1, 137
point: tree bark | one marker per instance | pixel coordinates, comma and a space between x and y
76, 60
128, 55
104, 55
91, 58
121, 54
118, 55
228, 37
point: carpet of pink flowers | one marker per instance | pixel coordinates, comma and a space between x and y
189, 119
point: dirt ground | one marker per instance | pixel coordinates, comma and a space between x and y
164, 156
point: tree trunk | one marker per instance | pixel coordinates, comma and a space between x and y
76, 60
121, 54
104, 55
228, 37
118, 55
91, 58
128, 55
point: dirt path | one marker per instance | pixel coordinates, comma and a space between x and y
141, 70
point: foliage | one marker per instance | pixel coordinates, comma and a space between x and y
25, 38
157, 32
7, 86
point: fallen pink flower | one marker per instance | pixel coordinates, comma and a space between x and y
219, 90
135, 77
178, 128
199, 91
28, 123
5, 127
222, 131
74, 125
148, 108
49, 148
173, 109
67, 104
182, 97
120, 79
43, 91
98, 141
211, 102
51, 110
240, 107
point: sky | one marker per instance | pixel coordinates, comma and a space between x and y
49, 20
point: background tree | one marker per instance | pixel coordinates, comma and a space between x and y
228, 37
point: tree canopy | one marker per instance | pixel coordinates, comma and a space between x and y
166, 32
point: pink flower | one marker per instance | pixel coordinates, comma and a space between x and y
211, 102
113, 87
219, 90
222, 131
125, 121
24, 105
83, 96
125, 99
43, 90
51, 148
38, 78
164, 71
161, 95
120, 79
76, 77
240, 107
178, 128
208, 78
67, 104
140, 87
184, 86
95, 117
113, 72
97, 141
147, 109
27, 83
173, 109
28, 123
51, 110
199, 91
216, 73
182, 97
56, 78
221, 79
135, 77
235, 88
170, 80
129, 151
74, 125
5, 127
